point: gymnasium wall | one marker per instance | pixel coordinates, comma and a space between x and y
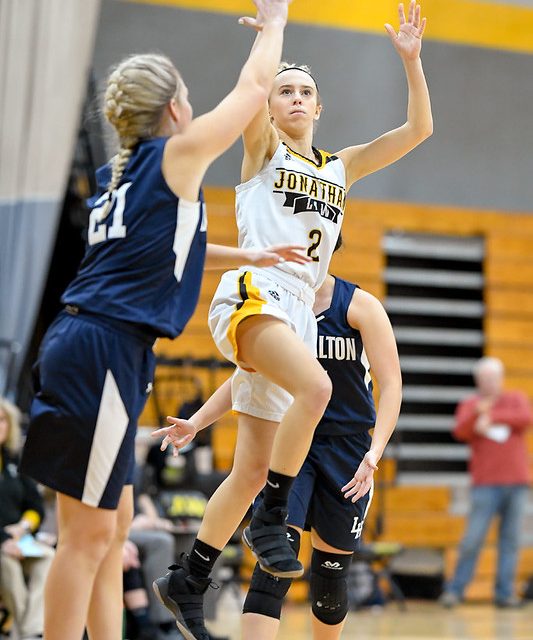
477, 60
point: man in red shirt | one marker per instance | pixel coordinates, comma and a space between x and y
493, 422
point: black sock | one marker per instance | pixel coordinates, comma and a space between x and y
276, 491
203, 557
141, 617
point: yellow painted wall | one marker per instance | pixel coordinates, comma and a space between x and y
484, 24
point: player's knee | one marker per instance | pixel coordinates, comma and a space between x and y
121, 531
123, 525
266, 593
319, 392
328, 586
89, 543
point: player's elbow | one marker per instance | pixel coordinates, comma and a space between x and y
425, 130
259, 95
255, 90
420, 131
428, 130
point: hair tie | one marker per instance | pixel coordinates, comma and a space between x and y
300, 69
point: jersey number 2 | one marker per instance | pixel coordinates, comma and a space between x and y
98, 229
316, 237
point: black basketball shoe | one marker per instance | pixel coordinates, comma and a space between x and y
267, 539
183, 595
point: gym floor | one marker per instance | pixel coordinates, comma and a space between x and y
420, 621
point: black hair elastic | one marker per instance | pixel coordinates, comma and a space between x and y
300, 69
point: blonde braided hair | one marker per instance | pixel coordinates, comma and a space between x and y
138, 90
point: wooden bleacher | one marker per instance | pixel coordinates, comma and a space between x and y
414, 516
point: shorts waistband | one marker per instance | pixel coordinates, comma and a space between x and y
134, 330
294, 285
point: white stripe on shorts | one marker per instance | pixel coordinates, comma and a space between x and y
370, 497
111, 426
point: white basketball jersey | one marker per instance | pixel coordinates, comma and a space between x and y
295, 200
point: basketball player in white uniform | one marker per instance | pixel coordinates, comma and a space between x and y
262, 319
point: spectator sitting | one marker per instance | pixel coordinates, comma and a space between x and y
140, 622
175, 488
24, 562
151, 538
149, 551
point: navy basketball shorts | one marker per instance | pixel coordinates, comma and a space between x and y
92, 378
316, 501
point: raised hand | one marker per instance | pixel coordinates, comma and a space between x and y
360, 484
179, 434
267, 11
408, 40
278, 253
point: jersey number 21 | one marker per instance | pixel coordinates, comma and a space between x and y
98, 229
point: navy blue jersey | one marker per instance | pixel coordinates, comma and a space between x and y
341, 353
144, 262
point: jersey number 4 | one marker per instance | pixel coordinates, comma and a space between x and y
99, 231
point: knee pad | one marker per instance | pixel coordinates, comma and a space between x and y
328, 587
266, 593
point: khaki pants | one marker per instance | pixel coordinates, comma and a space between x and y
22, 587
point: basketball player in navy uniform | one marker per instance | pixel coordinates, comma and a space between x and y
139, 280
262, 319
327, 497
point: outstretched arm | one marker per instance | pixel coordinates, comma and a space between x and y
219, 256
189, 154
367, 158
181, 432
260, 139
367, 314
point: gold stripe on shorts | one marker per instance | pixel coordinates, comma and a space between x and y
251, 304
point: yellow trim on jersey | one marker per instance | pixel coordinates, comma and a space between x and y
317, 165
325, 155
251, 305
469, 22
